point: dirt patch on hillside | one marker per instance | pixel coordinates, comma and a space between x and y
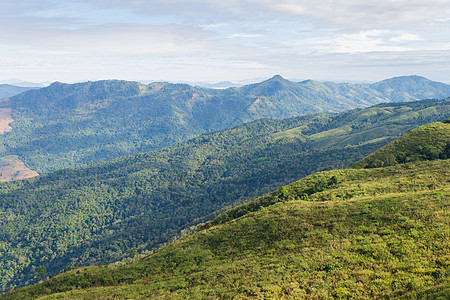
12, 168
5, 120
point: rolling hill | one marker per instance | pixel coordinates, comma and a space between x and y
68, 125
350, 233
424, 143
105, 212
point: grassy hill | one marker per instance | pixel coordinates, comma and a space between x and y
106, 212
424, 143
353, 233
68, 125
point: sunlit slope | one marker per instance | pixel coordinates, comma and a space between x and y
427, 142
365, 233
103, 212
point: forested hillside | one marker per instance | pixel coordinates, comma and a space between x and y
78, 124
355, 233
105, 212
8, 90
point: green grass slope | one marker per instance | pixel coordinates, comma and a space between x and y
424, 143
68, 125
103, 212
354, 233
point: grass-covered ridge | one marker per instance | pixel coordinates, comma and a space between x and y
103, 213
364, 233
427, 142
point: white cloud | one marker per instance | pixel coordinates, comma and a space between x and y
243, 35
364, 42
407, 37
356, 14
179, 38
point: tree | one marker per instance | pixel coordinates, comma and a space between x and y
42, 271
283, 193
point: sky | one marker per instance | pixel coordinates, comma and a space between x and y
223, 40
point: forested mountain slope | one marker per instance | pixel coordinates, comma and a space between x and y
8, 90
67, 125
354, 233
102, 212
407, 88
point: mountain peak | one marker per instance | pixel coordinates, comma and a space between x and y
268, 87
57, 83
277, 78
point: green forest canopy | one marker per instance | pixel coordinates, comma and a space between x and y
365, 233
101, 213
68, 125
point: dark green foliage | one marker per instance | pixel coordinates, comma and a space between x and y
71, 125
427, 142
42, 271
373, 234
101, 213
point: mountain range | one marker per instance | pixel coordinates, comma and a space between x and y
105, 212
349, 233
68, 125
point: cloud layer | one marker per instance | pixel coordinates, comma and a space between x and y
209, 40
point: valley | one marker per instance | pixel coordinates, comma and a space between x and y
105, 212
364, 233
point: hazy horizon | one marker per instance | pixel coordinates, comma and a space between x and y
18, 82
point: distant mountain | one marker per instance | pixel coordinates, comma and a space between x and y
409, 88
7, 90
342, 234
217, 85
102, 212
21, 83
67, 125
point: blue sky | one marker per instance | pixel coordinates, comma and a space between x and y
213, 40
